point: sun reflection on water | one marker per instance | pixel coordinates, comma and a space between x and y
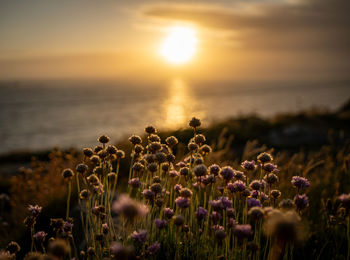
180, 105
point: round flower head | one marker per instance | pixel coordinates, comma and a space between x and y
93, 179
105, 228
152, 167
156, 188
160, 223
39, 237
59, 248
135, 139
154, 248
219, 233
82, 168
200, 170
192, 146
214, 169
199, 139
255, 185
185, 192
245, 193
269, 167
179, 220
271, 178
135, 183
254, 194
88, 152
264, 158
95, 159
148, 194
182, 202
230, 212
263, 197
129, 208
34, 210
13, 248
154, 138
300, 182
201, 213
150, 130
301, 201
98, 148
170, 158
248, 165
237, 186
103, 139
252, 202
239, 175
275, 194
184, 171
171, 141
67, 173
138, 167
138, 148
215, 216
154, 147
227, 173
177, 187
181, 164
173, 174
198, 160
217, 205
194, 123
168, 213
140, 236
345, 200
226, 202
120, 154
256, 213
209, 179
242, 231
111, 149
160, 157
84, 194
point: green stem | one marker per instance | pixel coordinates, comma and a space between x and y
68, 199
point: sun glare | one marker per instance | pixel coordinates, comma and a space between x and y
180, 45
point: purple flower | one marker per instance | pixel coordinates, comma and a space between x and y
168, 212
135, 183
231, 223
140, 236
181, 164
216, 204
238, 186
160, 223
301, 201
264, 158
252, 202
345, 200
68, 226
227, 173
39, 237
269, 167
148, 194
263, 197
226, 202
248, 165
120, 252
255, 185
177, 187
129, 208
300, 182
254, 194
230, 212
201, 213
239, 175
173, 174
215, 216
154, 248
34, 210
105, 228
214, 169
242, 231
182, 202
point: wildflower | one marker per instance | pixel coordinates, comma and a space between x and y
111, 149
181, 164
156, 188
129, 208
98, 170
88, 152
177, 187
184, 171
286, 204
59, 248
300, 182
148, 194
67, 173
185, 192
39, 237
215, 216
254, 194
263, 197
91, 251
152, 167
264, 158
156, 179
135, 139
154, 248
118, 251
239, 175
120, 154
138, 149
217, 205
271, 178
168, 213
13, 248
95, 159
154, 138
140, 236
245, 193
194, 123
198, 160
179, 220
230, 212
57, 224
256, 213
301, 201
171, 141
93, 179
209, 179
237, 186
150, 130
103, 139
227, 173
138, 167
97, 210
255, 185
201, 213
345, 200
252, 202
199, 139
160, 223
275, 194
219, 232
170, 158
200, 170
105, 228
34, 210
269, 167
226, 202
248, 165
231, 223
154, 147
112, 176
102, 154
82, 168
160, 157
182, 202
242, 231
192, 146
214, 169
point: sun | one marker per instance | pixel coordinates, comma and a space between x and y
180, 45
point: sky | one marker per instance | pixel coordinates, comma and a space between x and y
237, 40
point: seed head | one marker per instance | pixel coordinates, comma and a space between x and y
269, 167
111, 149
171, 141
194, 123
200, 170
300, 182
13, 248
184, 171
152, 167
135, 183
179, 220
255, 185
138, 148
103, 139
248, 165
264, 158
67, 173
154, 147
168, 213
227, 173
150, 130
242, 231
271, 178
199, 139
275, 194
192, 146
120, 154
95, 159
98, 148
256, 213
156, 188
135, 139
82, 168
88, 152
160, 157
252, 202
140, 236
185, 192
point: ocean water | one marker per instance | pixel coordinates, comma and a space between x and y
39, 115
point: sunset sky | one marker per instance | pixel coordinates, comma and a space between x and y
122, 39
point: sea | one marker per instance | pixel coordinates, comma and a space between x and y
38, 115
